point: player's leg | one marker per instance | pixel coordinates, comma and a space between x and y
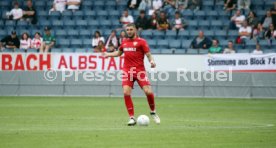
47, 48
150, 96
129, 104
42, 47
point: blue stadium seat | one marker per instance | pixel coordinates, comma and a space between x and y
76, 43
194, 34
221, 34
40, 5
85, 33
203, 51
68, 50
107, 32
110, 5
63, 43
3, 33
269, 50
10, 23
116, 24
265, 44
69, 24
146, 34
99, 5
192, 51
61, 33
57, 24
93, 24
21, 31
162, 44
87, 43
158, 34
187, 14
251, 44
243, 51
31, 50
114, 14
204, 25
55, 15
185, 34
80, 50
102, 14
170, 34
44, 23
105, 24
73, 34
224, 43
208, 5
212, 15
81, 24
200, 15
22, 25
67, 15
90, 15
233, 34
166, 51
180, 51
78, 15
216, 25
42, 14
209, 33
56, 50
155, 51
193, 25
186, 44
87, 5
175, 44
152, 44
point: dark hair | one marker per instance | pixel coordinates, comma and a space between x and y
97, 32
23, 35
230, 41
37, 33
142, 12
177, 12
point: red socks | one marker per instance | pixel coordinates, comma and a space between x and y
151, 102
129, 105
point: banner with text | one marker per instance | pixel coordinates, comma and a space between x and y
241, 62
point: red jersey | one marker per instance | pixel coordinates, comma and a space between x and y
134, 53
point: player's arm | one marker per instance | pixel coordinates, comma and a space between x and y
113, 54
151, 60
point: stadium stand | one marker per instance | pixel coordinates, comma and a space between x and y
75, 29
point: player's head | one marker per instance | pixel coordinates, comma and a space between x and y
131, 30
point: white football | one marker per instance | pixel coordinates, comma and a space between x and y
143, 120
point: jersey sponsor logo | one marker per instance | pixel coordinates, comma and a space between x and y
135, 43
129, 49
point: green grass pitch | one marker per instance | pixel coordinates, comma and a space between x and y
78, 122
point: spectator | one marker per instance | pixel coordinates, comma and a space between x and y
201, 42
133, 4
270, 33
97, 37
215, 48
30, 13
126, 19
58, 5
156, 5
245, 32
142, 21
112, 39
10, 42
230, 49
153, 21
37, 41
230, 5
181, 5
73, 5
100, 47
111, 48
273, 14
194, 4
258, 32
252, 19
163, 23
25, 42
48, 40
244, 4
144, 5
169, 6
258, 50
16, 13
267, 20
237, 20
178, 23
122, 37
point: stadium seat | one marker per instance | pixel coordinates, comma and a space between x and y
107, 32
81, 24
180, 51
114, 14
78, 15
80, 50
155, 51
204, 25
146, 34
67, 15
85, 34
55, 15
76, 43
68, 50
102, 14
99, 5
105, 24
187, 14
185, 34
56, 50
203, 51
87, 43
57, 24
93, 24
221, 34
216, 25
63, 43
186, 44
233, 34
212, 15
162, 44
158, 34
69, 24
166, 51
209, 33
170, 34
10, 23
73, 34
200, 15
175, 44
208, 5
193, 25
152, 44
22, 25
39, 5
90, 15
87, 5
192, 51
61, 33
243, 51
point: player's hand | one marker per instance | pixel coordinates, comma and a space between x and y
152, 64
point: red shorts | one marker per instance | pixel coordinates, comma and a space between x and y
140, 76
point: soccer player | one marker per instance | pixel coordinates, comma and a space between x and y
134, 49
